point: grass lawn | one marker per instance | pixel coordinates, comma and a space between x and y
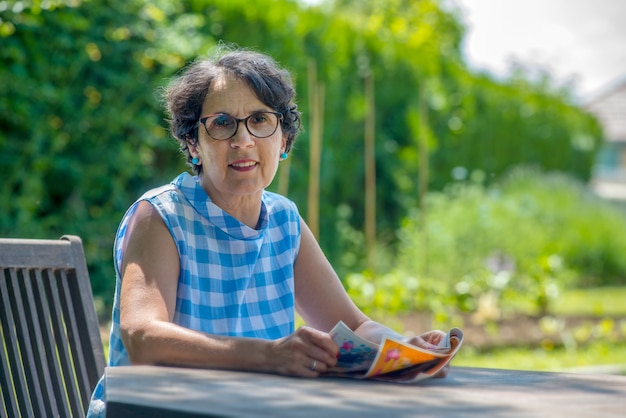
601, 357
609, 301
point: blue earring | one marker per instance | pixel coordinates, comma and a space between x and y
283, 156
195, 160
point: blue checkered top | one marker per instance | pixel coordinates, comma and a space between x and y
234, 280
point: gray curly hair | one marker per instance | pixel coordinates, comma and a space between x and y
186, 93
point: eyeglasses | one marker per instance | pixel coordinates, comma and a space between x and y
222, 126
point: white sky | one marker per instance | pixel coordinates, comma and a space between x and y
580, 42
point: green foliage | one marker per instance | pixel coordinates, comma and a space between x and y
531, 123
82, 131
485, 249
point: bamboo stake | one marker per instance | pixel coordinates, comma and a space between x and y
370, 174
423, 170
316, 94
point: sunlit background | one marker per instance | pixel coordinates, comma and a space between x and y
581, 43
463, 162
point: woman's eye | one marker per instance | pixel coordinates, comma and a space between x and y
258, 118
222, 121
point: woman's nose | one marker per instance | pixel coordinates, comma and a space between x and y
242, 138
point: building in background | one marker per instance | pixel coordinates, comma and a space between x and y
609, 176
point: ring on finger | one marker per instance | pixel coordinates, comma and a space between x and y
314, 366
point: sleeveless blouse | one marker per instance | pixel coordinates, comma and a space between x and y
234, 280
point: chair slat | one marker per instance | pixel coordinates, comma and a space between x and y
32, 394
47, 336
12, 376
73, 334
34, 307
62, 342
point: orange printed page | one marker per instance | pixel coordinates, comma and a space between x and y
394, 355
429, 369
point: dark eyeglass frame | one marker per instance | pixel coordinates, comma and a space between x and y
203, 119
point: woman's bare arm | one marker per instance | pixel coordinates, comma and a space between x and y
150, 270
322, 300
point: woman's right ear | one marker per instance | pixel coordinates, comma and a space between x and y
191, 139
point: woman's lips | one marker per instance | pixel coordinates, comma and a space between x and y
246, 165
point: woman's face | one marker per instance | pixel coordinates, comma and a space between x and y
243, 165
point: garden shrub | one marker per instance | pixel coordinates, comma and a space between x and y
496, 249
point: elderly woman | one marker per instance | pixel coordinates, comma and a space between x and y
211, 268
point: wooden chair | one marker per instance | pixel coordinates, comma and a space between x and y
51, 355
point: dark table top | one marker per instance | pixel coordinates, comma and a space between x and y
466, 392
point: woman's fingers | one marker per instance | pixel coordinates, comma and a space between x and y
433, 337
307, 352
322, 347
431, 340
419, 341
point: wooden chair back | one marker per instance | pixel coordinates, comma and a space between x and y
51, 355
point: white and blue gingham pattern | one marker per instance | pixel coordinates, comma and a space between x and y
234, 280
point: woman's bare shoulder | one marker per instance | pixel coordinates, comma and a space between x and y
147, 230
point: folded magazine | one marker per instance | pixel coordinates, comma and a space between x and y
392, 359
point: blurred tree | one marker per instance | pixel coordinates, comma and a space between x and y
82, 131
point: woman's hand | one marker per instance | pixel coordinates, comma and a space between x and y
430, 340
306, 353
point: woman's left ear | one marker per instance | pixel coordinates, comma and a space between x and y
283, 154
193, 150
